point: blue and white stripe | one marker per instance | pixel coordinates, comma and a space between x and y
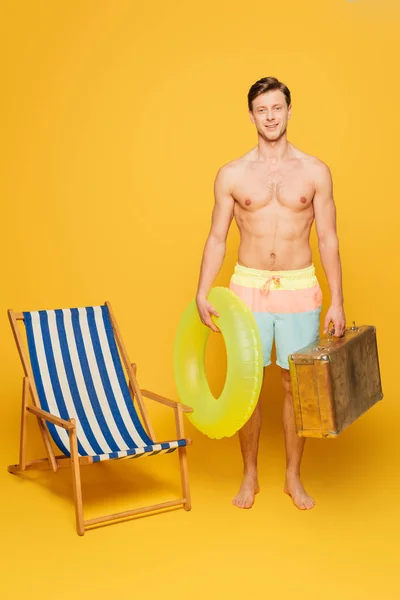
78, 374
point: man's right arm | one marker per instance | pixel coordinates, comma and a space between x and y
215, 247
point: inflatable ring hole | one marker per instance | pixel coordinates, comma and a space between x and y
216, 363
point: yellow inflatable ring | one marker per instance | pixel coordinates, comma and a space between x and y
224, 416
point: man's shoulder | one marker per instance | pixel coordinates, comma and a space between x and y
315, 164
238, 164
233, 166
318, 171
230, 167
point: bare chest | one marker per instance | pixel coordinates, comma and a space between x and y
257, 188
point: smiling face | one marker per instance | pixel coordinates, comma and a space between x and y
270, 114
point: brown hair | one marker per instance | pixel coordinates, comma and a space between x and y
267, 84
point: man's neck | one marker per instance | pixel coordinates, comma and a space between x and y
273, 151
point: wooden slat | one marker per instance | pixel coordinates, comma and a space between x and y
42, 464
166, 401
20, 346
43, 414
22, 445
136, 511
183, 458
76, 480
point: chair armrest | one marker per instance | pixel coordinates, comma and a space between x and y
43, 414
166, 401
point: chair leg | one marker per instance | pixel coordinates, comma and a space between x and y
185, 478
183, 459
76, 480
24, 414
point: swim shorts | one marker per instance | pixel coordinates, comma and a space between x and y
286, 305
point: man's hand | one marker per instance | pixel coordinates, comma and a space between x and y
205, 311
336, 316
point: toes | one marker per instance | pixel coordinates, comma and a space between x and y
237, 502
308, 504
240, 502
303, 503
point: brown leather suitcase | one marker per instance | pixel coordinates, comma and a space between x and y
334, 381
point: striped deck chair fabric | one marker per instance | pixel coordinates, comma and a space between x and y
78, 374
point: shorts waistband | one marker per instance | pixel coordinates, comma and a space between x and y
290, 280
294, 274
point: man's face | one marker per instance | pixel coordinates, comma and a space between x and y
270, 115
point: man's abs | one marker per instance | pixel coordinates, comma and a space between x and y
275, 238
261, 254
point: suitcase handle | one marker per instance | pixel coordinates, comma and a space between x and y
352, 328
331, 340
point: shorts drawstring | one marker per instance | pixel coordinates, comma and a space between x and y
265, 288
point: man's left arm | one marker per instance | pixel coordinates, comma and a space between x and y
328, 243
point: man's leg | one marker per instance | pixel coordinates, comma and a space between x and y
249, 437
294, 451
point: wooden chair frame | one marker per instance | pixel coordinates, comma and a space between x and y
54, 462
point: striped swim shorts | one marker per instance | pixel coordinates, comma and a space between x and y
286, 305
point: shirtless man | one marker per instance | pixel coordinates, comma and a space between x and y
275, 192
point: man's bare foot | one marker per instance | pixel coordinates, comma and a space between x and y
294, 488
248, 489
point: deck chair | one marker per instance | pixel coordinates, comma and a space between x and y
82, 400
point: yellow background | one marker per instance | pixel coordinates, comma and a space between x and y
115, 119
